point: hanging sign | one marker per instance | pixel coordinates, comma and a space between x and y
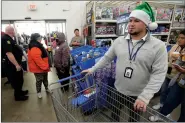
32, 7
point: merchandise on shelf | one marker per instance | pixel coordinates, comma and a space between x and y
177, 24
115, 12
104, 13
131, 8
122, 29
103, 42
179, 17
164, 14
110, 29
89, 16
161, 29
155, 11
183, 16
123, 18
104, 30
162, 38
122, 24
101, 30
98, 13
178, 14
126, 9
123, 9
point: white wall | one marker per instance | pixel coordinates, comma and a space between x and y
75, 17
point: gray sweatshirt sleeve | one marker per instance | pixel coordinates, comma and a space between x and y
159, 70
106, 59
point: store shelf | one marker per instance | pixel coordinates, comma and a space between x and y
177, 28
160, 34
106, 21
163, 22
166, 36
106, 36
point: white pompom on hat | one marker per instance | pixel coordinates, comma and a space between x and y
145, 13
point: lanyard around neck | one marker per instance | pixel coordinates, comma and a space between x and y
132, 56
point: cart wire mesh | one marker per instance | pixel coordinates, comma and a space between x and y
98, 102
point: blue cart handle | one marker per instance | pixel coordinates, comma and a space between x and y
67, 78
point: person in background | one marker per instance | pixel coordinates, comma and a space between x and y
38, 62
13, 58
45, 40
173, 56
141, 64
176, 87
77, 40
62, 59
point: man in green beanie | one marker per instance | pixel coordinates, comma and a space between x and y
141, 64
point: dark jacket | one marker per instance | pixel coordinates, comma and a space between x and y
10, 45
62, 56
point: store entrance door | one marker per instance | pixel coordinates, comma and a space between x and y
52, 27
55, 26
24, 29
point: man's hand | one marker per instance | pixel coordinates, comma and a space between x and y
140, 105
87, 72
18, 67
76, 43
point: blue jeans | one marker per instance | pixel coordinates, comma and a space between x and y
182, 115
164, 90
174, 98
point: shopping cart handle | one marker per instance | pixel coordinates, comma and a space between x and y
70, 77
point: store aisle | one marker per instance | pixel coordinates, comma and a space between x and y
32, 110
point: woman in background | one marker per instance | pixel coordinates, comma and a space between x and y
176, 87
173, 56
38, 62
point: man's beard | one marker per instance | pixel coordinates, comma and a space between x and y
134, 33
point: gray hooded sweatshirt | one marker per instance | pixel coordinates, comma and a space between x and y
149, 68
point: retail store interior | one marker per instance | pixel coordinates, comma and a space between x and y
99, 24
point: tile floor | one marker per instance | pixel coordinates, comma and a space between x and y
34, 109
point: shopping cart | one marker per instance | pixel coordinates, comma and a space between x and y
98, 102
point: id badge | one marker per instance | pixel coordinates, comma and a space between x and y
182, 82
128, 72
